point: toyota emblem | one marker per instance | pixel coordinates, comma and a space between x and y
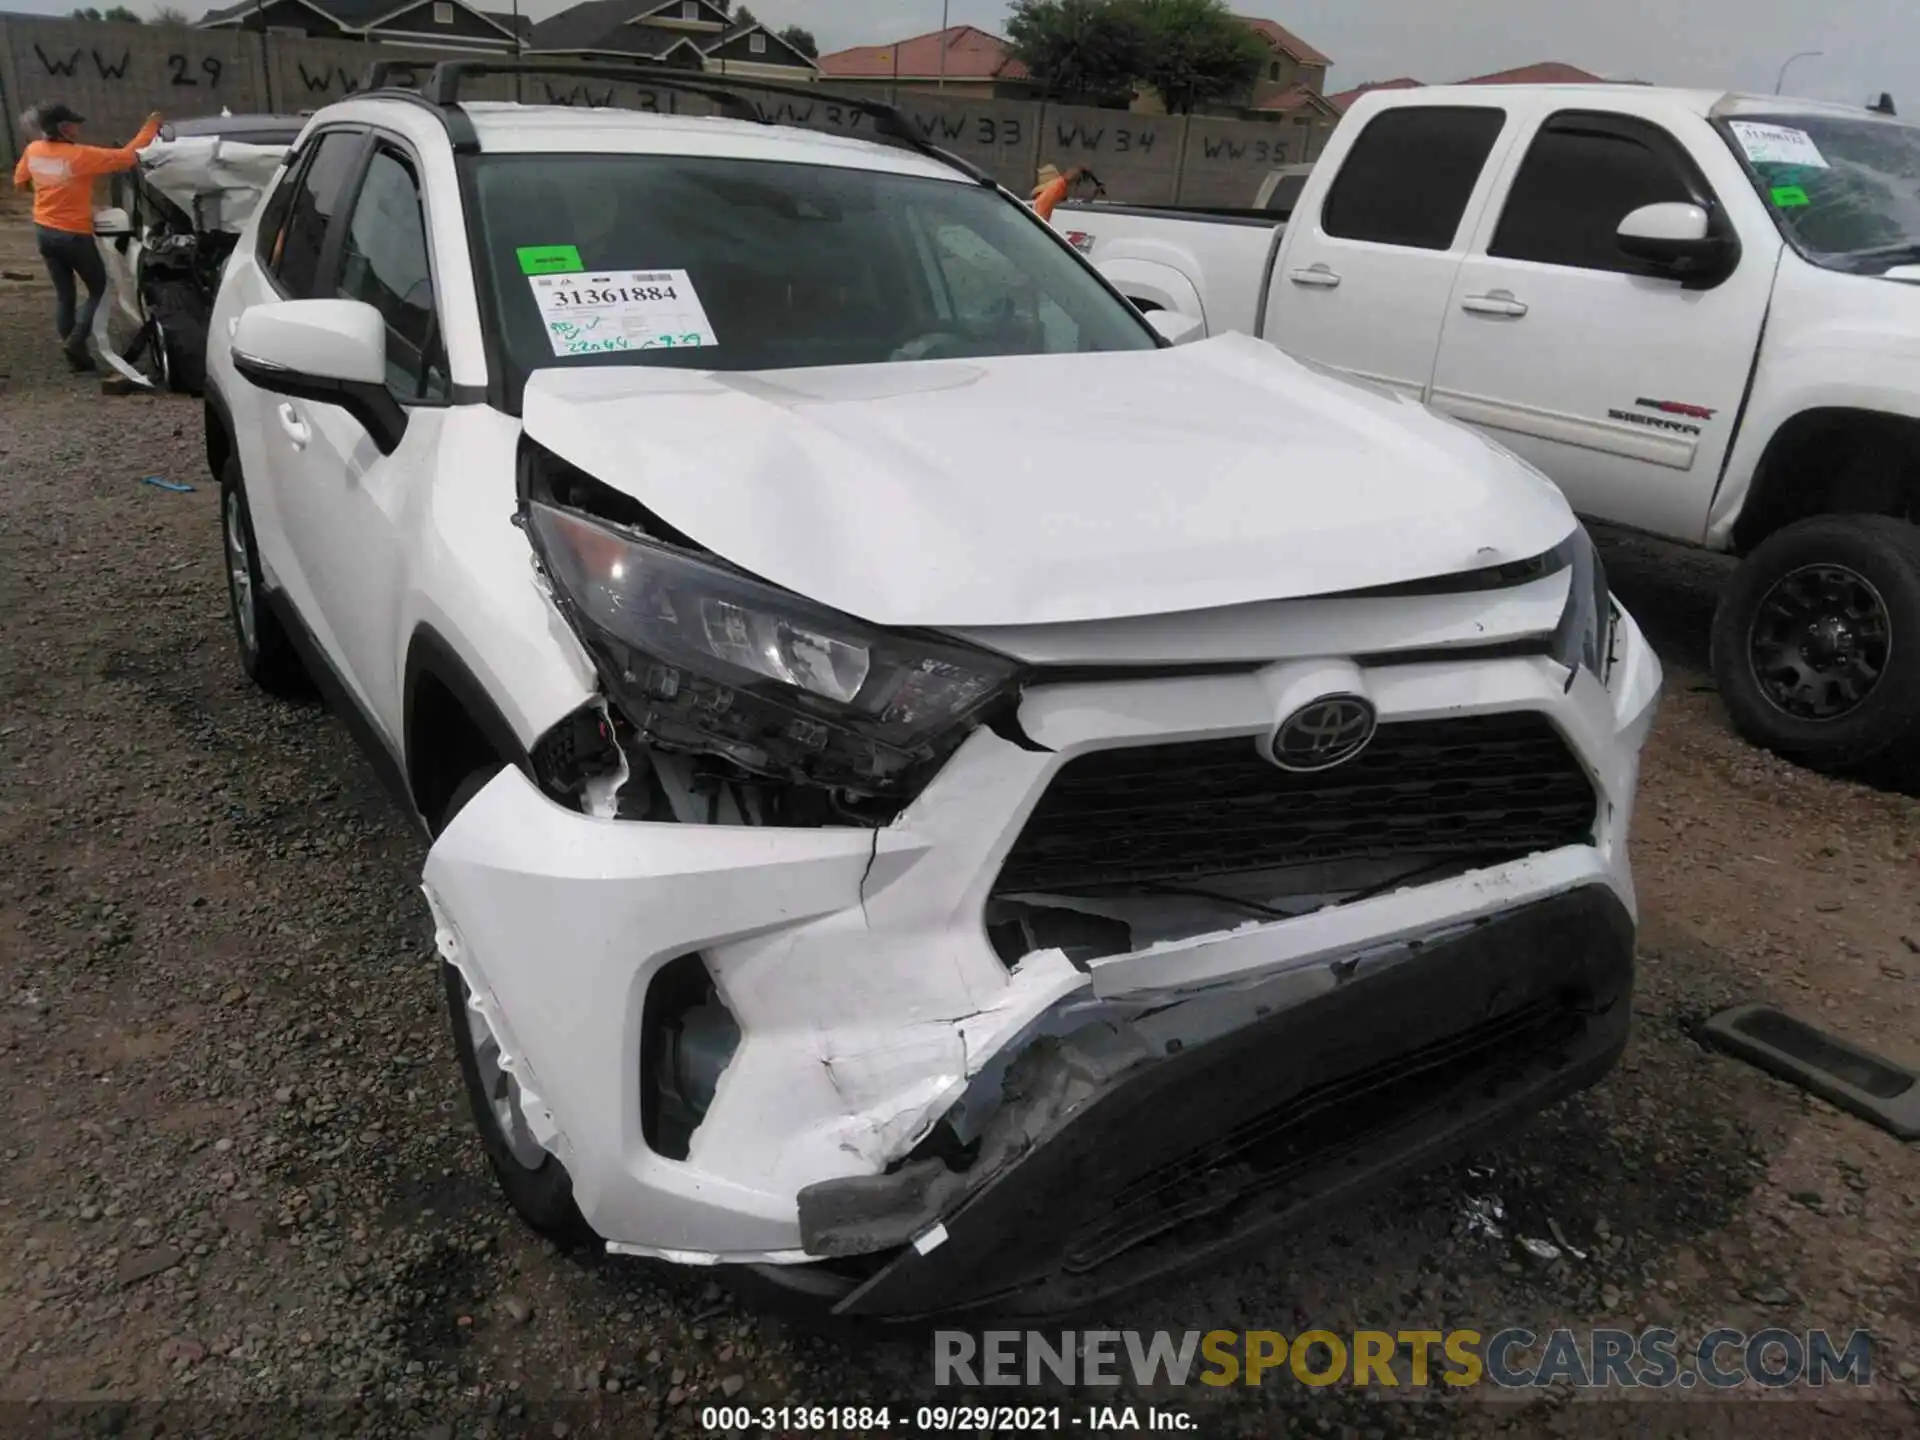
1324, 733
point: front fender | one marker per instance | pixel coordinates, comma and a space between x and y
472, 585
1832, 342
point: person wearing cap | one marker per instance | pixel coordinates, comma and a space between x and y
61, 171
1053, 188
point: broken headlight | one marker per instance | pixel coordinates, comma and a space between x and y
703, 658
1584, 637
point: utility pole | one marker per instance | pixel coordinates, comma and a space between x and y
946, 11
1801, 55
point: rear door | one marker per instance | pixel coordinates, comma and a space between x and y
1621, 384
1369, 261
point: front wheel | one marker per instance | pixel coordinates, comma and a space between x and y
266, 651
1816, 644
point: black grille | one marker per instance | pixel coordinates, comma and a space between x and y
1493, 786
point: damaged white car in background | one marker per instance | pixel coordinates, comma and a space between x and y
170, 223
938, 795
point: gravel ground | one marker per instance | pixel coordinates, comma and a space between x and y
240, 1185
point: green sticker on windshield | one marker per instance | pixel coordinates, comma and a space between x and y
1787, 196
549, 259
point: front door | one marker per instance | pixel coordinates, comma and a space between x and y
1622, 385
345, 500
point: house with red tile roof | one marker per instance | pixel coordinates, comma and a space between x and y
1544, 72
966, 60
1342, 99
963, 60
1292, 64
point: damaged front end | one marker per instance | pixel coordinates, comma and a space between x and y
173, 221
927, 972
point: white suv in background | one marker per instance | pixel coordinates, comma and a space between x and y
936, 793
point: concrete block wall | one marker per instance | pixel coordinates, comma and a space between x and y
116, 74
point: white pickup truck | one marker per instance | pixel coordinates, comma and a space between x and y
1683, 306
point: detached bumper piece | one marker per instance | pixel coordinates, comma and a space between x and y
1120, 1154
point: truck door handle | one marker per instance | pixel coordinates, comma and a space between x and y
1494, 302
1317, 275
295, 427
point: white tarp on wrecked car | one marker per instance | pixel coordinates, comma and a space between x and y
174, 220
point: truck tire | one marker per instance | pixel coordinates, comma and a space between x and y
534, 1183
1816, 644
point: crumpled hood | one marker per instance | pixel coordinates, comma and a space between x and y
1050, 489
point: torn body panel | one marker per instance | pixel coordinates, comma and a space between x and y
875, 1016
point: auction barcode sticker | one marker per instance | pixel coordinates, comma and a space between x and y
1777, 144
592, 312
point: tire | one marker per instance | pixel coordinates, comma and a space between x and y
267, 654
539, 1190
183, 358
177, 318
1833, 601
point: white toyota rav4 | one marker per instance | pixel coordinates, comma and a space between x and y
937, 793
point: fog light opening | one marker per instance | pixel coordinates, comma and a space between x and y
688, 1037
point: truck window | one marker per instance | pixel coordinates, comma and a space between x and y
1583, 175
1409, 176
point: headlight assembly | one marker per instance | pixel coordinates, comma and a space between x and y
1584, 637
700, 657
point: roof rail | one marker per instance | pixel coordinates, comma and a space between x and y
442, 90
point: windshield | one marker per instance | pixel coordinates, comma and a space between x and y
717, 264
1844, 190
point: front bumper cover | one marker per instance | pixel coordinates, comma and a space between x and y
1124, 1153
870, 1003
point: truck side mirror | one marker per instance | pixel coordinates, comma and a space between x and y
1675, 237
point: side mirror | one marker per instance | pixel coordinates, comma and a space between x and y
333, 352
112, 224
1675, 237
1175, 328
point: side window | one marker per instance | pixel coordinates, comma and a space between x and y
1582, 176
384, 263
1408, 178
294, 257
273, 214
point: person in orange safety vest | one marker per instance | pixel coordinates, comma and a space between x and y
1053, 188
61, 171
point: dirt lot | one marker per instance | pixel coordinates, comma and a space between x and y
239, 1179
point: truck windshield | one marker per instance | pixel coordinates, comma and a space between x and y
723, 264
1844, 191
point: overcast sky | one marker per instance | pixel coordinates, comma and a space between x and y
1870, 45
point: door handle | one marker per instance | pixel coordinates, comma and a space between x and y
1495, 302
1315, 275
295, 427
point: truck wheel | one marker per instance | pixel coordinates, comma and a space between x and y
535, 1184
266, 653
1816, 645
